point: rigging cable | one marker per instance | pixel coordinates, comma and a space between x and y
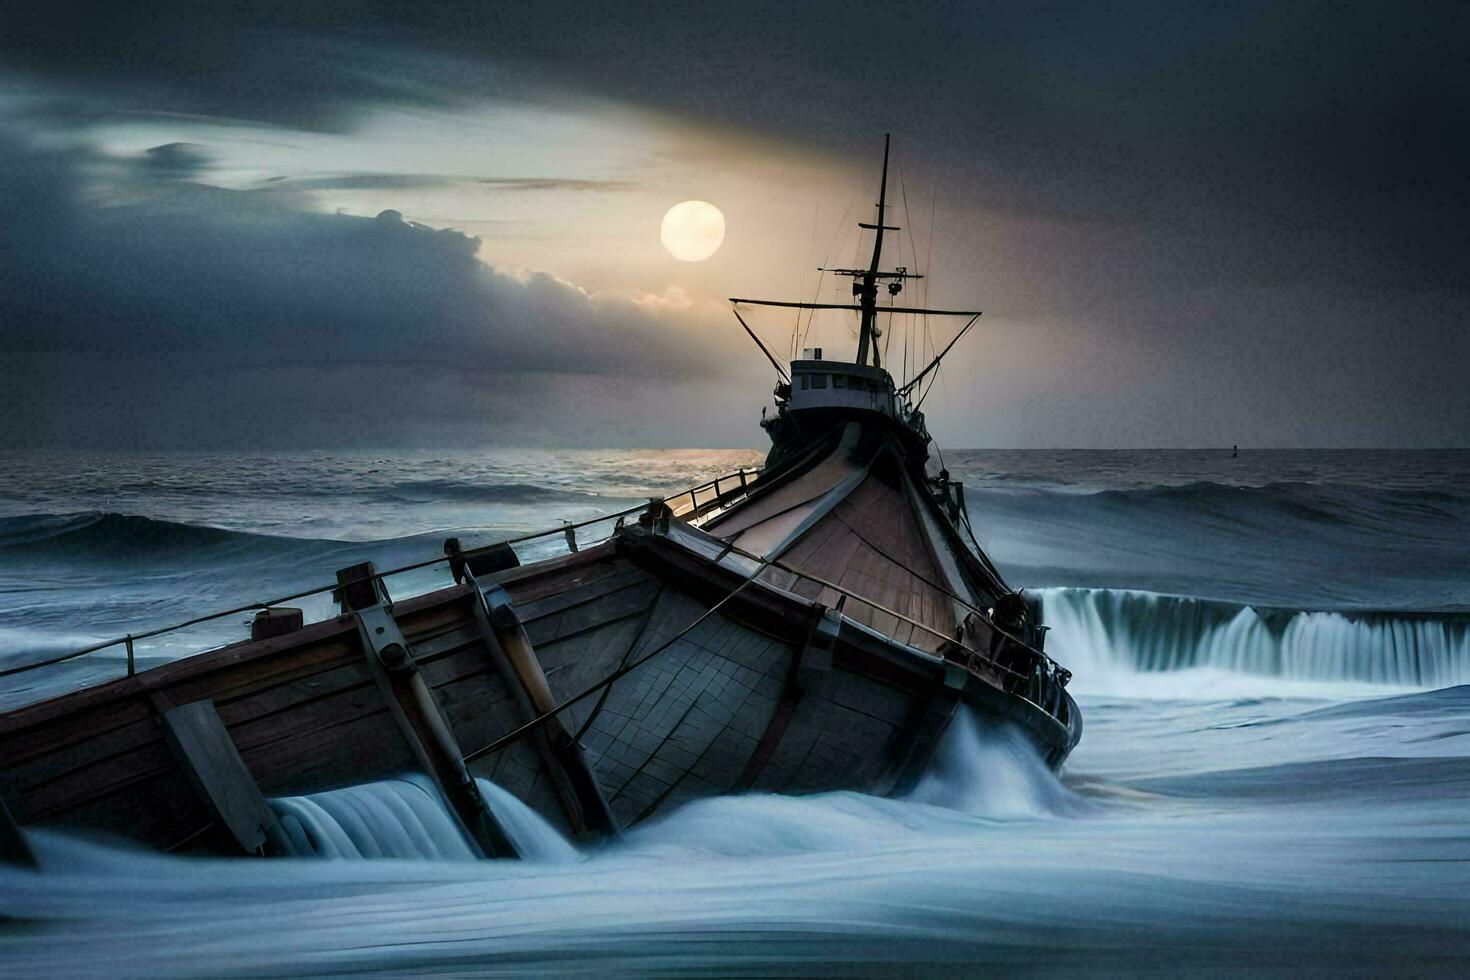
822, 272
622, 671
908, 220
810, 250
929, 251
780, 371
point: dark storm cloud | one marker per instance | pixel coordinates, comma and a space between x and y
223, 296
1258, 141
555, 184
1262, 202
402, 181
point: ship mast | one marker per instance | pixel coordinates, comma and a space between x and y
865, 289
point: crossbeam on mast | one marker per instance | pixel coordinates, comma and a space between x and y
895, 274
851, 306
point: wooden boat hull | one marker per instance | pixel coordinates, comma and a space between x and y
773, 691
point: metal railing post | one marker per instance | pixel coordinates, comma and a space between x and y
132, 667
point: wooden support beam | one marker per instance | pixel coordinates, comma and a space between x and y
925, 732
358, 588
276, 621
498, 558
203, 748
424, 727
809, 664
561, 755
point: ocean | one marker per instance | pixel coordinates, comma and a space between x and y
1271, 653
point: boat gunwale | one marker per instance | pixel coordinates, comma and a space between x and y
916, 662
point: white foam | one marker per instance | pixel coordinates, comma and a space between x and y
533, 838
990, 769
1147, 644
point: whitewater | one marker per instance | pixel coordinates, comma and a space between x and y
1270, 652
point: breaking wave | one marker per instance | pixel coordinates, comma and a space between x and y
1102, 633
100, 534
109, 537
406, 818
394, 818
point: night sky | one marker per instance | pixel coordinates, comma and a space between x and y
304, 224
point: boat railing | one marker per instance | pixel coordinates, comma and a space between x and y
1041, 684
688, 504
705, 499
1038, 688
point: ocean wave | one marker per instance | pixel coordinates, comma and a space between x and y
1323, 503
1293, 544
421, 491
101, 533
1111, 637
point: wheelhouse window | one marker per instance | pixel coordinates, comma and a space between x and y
819, 380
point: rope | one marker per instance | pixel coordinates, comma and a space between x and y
822, 272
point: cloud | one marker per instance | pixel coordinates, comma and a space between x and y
1254, 141
1257, 208
227, 298
556, 184
411, 181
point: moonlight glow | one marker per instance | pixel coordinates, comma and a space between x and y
692, 230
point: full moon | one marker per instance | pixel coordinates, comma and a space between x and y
692, 230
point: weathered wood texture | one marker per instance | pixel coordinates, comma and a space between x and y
303, 711
687, 723
871, 545
727, 706
201, 745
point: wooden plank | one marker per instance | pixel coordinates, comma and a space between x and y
816, 656
354, 750
198, 665
555, 575
230, 682
76, 755
468, 661
421, 722
630, 601
80, 786
297, 694
132, 809
623, 576
291, 709
511, 650
213, 766
85, 727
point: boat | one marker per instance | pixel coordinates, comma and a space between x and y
813, 624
